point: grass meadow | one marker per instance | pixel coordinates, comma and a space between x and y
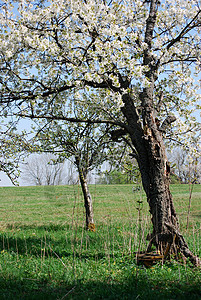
45, 252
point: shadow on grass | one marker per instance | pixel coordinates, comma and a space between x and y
34, 245
131, 288
138, 286
60, 239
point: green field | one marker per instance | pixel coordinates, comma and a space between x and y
47, 254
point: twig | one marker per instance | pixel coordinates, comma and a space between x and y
68, 293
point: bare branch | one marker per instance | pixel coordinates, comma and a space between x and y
192, 24
74, 120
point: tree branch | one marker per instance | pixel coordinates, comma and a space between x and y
74, 120
185, 30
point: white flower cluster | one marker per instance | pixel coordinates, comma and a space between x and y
102, 42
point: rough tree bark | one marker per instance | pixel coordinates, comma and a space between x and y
151, 156
155, 173
87, 196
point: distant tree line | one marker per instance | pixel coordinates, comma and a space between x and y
44, 169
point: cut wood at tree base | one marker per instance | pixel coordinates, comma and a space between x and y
173, 246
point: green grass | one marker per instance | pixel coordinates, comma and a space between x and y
45, 252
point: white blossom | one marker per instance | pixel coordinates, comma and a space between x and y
76, 40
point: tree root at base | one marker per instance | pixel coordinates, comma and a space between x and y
171, 245
91, 227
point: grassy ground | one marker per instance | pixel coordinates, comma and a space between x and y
47, 254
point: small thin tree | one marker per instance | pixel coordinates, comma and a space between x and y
84, 144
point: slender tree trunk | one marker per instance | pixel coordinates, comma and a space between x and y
87, 197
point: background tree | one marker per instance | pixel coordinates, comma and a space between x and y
111, 48
119, 168
186, 167
115, 176
12, 151
42, 169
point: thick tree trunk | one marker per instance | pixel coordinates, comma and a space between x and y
87, 197
155, 173
164, 218
150, 153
